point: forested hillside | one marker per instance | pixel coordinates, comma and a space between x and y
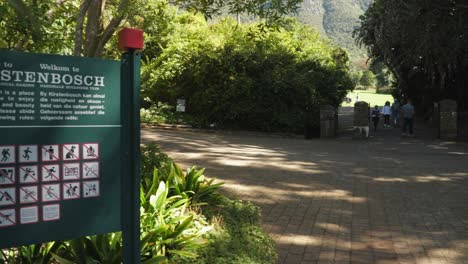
336, 18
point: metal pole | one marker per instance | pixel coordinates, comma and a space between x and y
130, 115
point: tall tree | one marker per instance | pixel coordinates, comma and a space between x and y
96, 33
94, 22
271, 10
424, 43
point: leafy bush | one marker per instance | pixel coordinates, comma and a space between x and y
239, 77
193, 185
385, 90
168, 228
160, 113
152, 157
158, 167
37, 253
104, 248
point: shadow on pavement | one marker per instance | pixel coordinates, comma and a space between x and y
383, 200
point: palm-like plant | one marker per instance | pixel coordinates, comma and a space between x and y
169, 228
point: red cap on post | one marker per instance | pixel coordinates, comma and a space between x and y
130, 38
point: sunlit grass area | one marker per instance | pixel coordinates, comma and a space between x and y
369, 96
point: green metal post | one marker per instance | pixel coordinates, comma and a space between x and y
130, 116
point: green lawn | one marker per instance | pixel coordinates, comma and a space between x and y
368, 96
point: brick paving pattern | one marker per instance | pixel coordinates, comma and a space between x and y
383, 200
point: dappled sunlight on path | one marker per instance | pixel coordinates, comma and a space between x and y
384, 200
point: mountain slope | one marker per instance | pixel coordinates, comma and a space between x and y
336, 18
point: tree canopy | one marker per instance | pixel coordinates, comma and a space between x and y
248, 76
425, 45
83, 28
238, 76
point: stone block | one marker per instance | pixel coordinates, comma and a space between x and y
361, 114
448, 119
327, 121
361, 120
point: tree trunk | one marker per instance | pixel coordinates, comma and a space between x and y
93, 27
96, 37
79, 27
111, 28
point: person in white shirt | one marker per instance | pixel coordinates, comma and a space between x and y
387, 111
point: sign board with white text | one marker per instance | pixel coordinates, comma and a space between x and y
60, 134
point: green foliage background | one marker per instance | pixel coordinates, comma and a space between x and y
243, 76
423, 43
336, 19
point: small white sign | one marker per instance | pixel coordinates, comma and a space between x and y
7, 154
27, 153
51, 212
71, 152
50, 173
7, 175
71, 190
28, 174
50, 192
90, 170
71, 171
29, 215
7, 217
90, 189
28, 194
7, 196
180, 107
90, 151
50, 153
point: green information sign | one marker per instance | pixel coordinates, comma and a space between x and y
60, 147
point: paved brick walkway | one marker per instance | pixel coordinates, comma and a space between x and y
384, 200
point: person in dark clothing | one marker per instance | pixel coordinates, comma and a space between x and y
408, 115
375, 115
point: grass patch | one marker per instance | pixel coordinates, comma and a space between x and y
369, 96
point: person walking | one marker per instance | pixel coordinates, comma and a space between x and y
387, 111
375, 115
396, 113
408, 116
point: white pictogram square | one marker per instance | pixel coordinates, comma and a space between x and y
27, 153
7, 155
90, 189
50, 153
28, 174
29, 215
70, 171
28, 194
90, 151
70, 152
50, 172
7, 217
7, 196
51, 212
71, 190
50, 192
90, 170
7, 175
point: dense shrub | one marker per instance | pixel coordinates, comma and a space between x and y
237, 76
